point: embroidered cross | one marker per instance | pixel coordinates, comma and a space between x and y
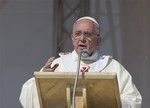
84, 69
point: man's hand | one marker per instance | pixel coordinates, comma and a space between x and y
47, 67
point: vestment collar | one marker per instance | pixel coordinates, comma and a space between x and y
93, 57
70, 60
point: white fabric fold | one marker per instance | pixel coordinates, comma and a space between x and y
99, 62
130, 96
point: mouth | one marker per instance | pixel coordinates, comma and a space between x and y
82, 46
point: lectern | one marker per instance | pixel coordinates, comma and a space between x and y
94, 89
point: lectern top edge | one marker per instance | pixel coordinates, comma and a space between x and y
95, 75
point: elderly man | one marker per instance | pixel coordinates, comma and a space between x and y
85, 36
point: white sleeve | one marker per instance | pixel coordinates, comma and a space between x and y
130, 96
28, 97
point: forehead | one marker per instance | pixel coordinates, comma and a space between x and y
84, 25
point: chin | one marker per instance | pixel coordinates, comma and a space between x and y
79, 50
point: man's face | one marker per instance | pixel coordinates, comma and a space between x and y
84, 36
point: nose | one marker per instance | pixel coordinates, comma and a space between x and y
82, 38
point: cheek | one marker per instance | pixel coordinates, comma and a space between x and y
92, 43
74, 41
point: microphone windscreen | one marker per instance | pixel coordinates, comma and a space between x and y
85, 53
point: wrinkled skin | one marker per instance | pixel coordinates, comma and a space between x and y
80, 43
83, 42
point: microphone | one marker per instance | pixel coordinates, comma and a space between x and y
83, 54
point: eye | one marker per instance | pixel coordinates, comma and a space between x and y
77, 33
88, 34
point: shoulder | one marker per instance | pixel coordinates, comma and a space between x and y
116, 66
111, 62
61, 55
115, 63
106, 58
103, 57
64, 54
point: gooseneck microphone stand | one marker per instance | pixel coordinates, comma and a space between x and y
76, 81
84, 54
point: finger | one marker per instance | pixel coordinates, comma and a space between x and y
50, 60
48, 70
55, 66
51, 69
48, 65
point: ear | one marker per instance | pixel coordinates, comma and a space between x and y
72, 38
99, 40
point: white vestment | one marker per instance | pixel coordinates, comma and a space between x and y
130, 96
